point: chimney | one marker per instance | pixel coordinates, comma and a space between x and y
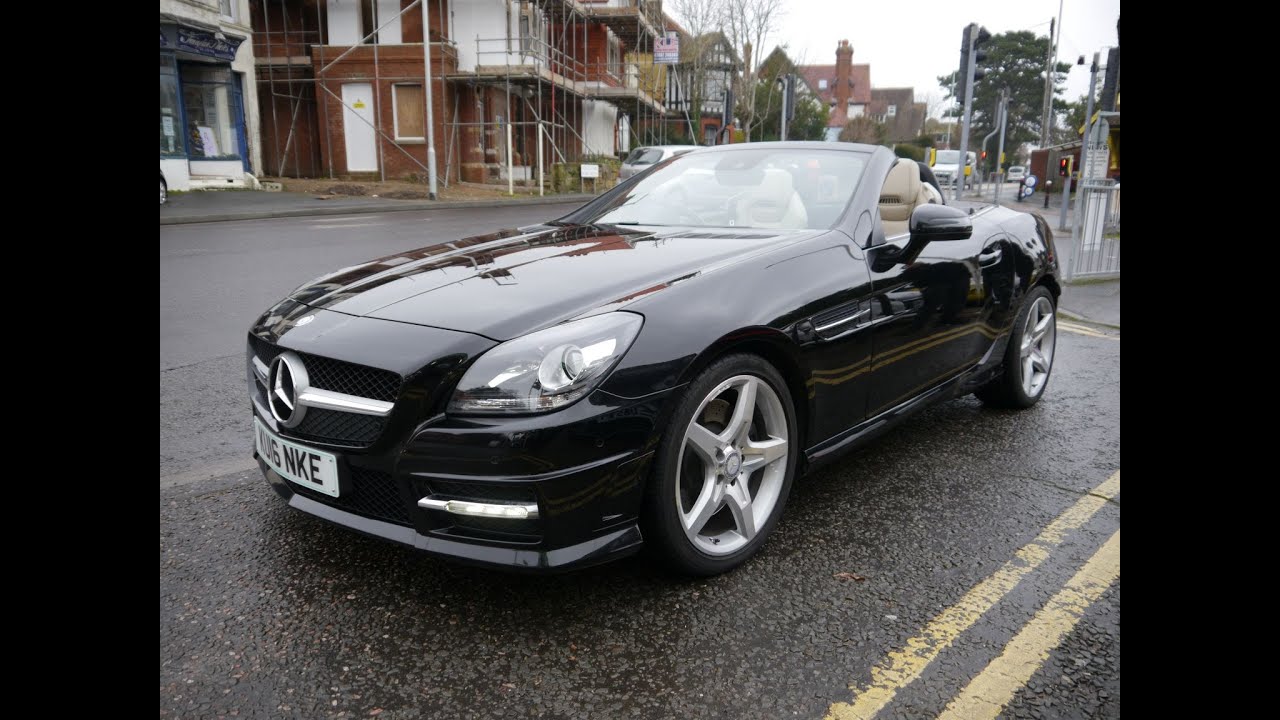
844, 73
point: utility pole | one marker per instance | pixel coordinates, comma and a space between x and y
786, 80
787, 84
1046, 123
1056, 42
1004, 120
426, 90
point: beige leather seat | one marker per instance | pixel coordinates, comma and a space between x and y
902, 192
774, 204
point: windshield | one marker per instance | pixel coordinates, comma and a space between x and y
775, 188
948, 157
644, 156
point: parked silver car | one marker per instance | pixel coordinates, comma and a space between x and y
642, 158
1017, 173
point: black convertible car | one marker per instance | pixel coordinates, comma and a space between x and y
658, 366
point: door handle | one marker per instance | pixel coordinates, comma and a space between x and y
990, 257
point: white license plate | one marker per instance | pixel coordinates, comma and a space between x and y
297, 463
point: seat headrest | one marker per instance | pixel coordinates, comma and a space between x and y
901, 190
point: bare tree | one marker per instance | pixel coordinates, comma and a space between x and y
749, 24
703, 22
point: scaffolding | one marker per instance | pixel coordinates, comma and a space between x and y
539, 82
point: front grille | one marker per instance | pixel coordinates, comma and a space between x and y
332, 426
481, 492
338, 428
372, 494
337, 375
265, 351
352, 379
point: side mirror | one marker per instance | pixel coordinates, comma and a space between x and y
930, 223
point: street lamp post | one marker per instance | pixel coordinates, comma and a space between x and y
1088, 130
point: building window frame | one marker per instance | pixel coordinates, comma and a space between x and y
229, 10
614, 56
395, 114
177, 113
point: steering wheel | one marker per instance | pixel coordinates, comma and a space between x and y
679, 200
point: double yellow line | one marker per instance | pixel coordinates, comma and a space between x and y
987, 694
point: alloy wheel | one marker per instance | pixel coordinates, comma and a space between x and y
733, 463
1037, 347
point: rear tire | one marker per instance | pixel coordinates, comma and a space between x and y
1028, 360
164, 191
723, 471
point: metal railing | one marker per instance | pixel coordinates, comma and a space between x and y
517, 55
1097, 239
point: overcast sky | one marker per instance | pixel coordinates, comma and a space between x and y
911, 43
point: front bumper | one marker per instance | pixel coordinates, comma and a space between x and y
584, 467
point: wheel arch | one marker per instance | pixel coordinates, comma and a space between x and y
1051, 283
778, 350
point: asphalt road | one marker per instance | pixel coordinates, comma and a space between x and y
216, 278
972, 543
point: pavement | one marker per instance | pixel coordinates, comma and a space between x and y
1092, 301
228, 205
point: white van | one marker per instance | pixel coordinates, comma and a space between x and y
946, 165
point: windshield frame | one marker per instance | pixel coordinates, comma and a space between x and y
599, 206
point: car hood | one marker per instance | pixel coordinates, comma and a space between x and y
509, 283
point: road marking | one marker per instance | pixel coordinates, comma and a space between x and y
328, 226
1082, 330
901, 667
987, 694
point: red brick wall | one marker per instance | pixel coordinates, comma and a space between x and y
303, 156
396, 64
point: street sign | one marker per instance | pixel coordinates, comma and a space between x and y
590, 170
1030, 181
666, 49
1099, 151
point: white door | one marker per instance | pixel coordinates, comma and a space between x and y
357, 126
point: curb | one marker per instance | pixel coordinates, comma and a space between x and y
1081, 318
399, 206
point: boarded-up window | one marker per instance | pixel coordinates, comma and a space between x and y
409, 112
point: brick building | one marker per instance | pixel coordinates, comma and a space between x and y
844, 87
897, 109
342, 82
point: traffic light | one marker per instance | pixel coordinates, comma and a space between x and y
984, 154
978, 56
1062, 166
974, 37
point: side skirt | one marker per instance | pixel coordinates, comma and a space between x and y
831, 449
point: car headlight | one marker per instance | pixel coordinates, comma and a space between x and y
548, 369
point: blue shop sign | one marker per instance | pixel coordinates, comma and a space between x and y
201, 42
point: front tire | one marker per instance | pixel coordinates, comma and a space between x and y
164, 191
724, 467
1029, 358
